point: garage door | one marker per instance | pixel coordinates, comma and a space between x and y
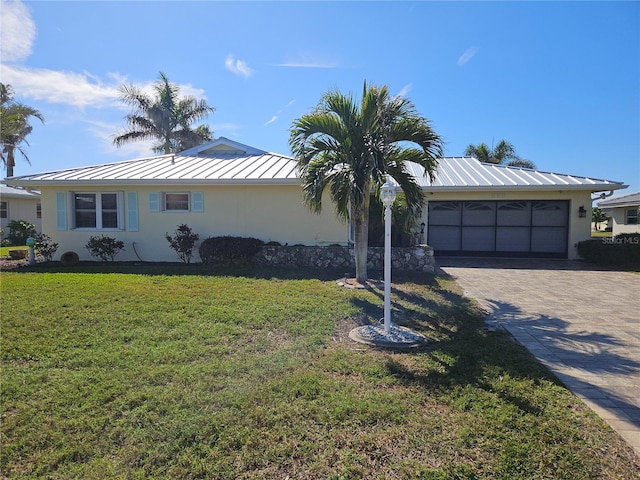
536, 228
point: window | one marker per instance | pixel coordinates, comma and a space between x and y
631, 216
96, 210
38, 210
178, 202
4, 210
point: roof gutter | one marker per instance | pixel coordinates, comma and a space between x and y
602, 196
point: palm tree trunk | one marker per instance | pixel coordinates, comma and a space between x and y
11, 161
361, 241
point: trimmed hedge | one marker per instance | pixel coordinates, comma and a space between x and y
229, 250
622, 250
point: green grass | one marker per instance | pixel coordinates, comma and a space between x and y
4, 251
186, 372
599, 234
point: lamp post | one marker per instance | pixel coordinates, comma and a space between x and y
387, 196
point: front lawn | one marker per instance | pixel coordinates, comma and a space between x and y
187, 372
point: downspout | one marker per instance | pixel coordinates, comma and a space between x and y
602, 196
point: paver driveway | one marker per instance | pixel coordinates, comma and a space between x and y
581, 322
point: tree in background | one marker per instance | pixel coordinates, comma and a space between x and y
349, 149
164, 117
14, 127
504, 153
598, 217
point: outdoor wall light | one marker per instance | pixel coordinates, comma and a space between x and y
582, 212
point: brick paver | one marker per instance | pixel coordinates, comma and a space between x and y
581, 322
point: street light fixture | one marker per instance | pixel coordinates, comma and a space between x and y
389, 336
387, 196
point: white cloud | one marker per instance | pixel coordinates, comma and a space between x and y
17, 31
239, 67
405, 90
306, 60
105, 131
277, 115
467, 55
303, 64
271, 120
77, 89
69, 88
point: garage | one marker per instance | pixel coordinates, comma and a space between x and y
523, 228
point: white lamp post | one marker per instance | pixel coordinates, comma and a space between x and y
387, 196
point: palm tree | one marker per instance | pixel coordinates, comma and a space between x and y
522, 162
504, 153
350, 150
164, 117
14, 127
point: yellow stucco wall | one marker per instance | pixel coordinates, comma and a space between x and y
270, 213
579, 228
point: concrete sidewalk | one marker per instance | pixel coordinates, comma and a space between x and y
582, 323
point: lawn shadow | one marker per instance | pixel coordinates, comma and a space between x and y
480, 337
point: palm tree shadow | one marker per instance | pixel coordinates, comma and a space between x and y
480, 337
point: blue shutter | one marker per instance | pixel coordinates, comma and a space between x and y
61, 210
154, 202
197, 202
132, 211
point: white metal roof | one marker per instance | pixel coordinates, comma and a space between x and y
468, 173
224, 161
11, 192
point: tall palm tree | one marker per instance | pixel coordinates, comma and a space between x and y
350, 149
164, 117
502, 152
14, 127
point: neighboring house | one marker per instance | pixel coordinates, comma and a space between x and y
227, 188
625, 213
19, 204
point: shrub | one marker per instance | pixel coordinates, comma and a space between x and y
19, 231
228, 249
183, 242
45, 247
104, 247
621, 250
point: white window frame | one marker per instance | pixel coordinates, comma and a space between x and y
165, 205
98, 195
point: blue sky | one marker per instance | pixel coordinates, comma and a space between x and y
560, 80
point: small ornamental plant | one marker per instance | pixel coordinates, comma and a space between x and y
45, 247
183, 241
104, 247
